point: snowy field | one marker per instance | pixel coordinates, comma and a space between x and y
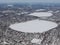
41, 14
53, 11
50, 11
34, 26
40, 10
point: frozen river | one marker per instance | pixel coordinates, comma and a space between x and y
34, 26
41, 14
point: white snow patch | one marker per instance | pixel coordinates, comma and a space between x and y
57, 11
40, 10
18, 13
10, 5
37, 41
50, 11
4, 42
34, 26
41, 14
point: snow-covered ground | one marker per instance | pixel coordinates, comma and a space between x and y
40, 10
10, 5
41, 14
50, 11
34, 26
57, 11
37, 41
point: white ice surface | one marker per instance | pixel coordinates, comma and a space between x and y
40, 10
57, 11
41, 14
37, 41
34, 26
50, 11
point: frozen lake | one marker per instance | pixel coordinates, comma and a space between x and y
34, 26
50, 11
41, 14
40, 10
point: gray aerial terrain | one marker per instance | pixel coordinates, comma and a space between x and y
10, 15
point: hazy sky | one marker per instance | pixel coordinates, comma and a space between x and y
49, 1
